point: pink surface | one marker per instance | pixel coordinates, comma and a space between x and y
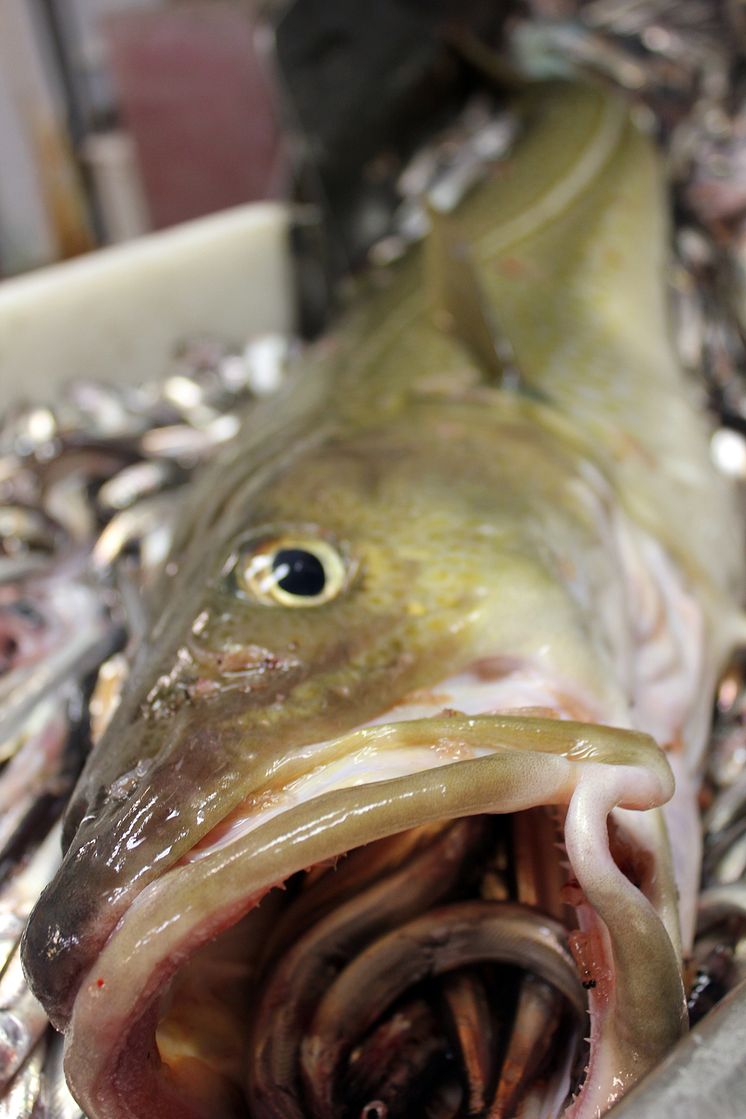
198, 101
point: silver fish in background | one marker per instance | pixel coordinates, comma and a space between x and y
448, 615
79, 543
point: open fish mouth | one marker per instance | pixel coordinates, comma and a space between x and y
423, 923
425, 914
387, 1001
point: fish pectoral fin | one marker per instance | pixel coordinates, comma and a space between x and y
460, 306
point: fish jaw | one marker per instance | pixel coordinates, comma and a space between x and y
590, 770
626, 1041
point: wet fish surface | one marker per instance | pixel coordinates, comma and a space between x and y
464, 590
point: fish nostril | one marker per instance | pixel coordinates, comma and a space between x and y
255, 661
245, 658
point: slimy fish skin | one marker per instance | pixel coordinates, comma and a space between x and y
473, 562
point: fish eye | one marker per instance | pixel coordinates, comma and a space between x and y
290, 571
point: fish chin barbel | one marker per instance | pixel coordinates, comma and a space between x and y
416, 589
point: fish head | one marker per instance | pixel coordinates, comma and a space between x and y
382, 576
359, 575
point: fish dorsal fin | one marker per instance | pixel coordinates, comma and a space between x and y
460, 306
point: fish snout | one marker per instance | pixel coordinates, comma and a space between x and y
235, 666
65, 932
120, 835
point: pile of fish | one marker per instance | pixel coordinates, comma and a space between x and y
91, 488
427, 961
430, 1032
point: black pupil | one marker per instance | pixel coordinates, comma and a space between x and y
299, 572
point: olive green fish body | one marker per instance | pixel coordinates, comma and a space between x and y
570, 244
555, 543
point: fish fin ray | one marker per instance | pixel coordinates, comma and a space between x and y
460, 306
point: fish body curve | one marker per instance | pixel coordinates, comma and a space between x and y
420, 586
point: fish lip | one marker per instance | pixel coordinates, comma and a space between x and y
70, 927
126, 1031
175, 914
139, 948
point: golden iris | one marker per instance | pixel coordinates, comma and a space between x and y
291, 571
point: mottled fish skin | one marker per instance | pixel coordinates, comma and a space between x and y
473, 522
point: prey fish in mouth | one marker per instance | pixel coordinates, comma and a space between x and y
403, 784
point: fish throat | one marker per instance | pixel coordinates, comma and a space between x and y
441, 965
432, 969
446, 967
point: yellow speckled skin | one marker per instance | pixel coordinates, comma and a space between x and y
574, 269
476, 520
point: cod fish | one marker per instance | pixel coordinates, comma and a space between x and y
436, 644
